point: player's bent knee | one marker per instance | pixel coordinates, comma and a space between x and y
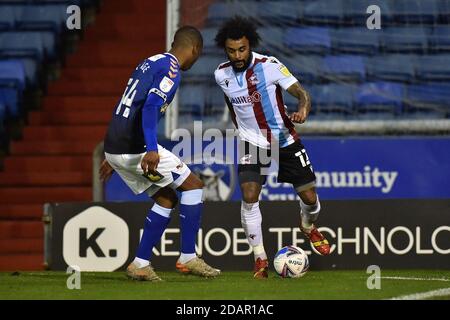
192, 182
166, 198
309, 196
250, 197
250, 192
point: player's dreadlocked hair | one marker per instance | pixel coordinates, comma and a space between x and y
236, 28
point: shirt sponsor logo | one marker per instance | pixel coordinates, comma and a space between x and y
255, 97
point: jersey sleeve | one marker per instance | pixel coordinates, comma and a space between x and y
165, 81
280, 74
159, 93
217, 77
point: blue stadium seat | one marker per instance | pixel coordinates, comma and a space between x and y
9, 96
308, 39
414, 11
323, 12
430, 101
49, 43
279, 12
440, 38
333, 100
394, 67
271, 39
444, 10
7, 17
379, 100
209, 45
218, 12
433, 68
406, 39
22, 44
307, 68
356, 40
31, 70
344, 68
43, 17
193, 100
12, 84
204, 69
12, 73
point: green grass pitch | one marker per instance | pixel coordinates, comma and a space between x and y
230, 285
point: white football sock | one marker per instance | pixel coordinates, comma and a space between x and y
309, 213
141, 263
251, 222
185, 257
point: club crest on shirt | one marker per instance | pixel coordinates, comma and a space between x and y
166, 84
253, 80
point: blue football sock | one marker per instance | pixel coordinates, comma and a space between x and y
191, 207
155, 224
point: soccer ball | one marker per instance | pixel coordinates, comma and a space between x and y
291, 262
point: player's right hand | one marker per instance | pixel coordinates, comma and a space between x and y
150, 162
105, 170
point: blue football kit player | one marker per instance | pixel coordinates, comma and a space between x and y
132, 150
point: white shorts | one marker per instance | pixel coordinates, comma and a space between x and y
128, 166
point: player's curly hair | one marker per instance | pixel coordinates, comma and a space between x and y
236, 28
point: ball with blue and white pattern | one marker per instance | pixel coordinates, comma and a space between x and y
291, 262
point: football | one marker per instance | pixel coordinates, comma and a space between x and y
291, 262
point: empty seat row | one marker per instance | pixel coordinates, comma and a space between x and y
348, 68
333, 11
371, 100
323, 40
50, 17
361, 40
31, 47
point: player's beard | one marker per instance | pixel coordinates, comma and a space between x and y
245, 65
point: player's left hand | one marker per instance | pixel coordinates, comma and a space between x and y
299, 116
105, 171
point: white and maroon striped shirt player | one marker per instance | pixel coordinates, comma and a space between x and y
257, 100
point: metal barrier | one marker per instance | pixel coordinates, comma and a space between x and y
98, 193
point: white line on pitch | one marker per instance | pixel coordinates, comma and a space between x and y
424, 295
415, 279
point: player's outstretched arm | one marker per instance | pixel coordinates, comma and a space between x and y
304, 102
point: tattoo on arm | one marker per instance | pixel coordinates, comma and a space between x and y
301, 94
